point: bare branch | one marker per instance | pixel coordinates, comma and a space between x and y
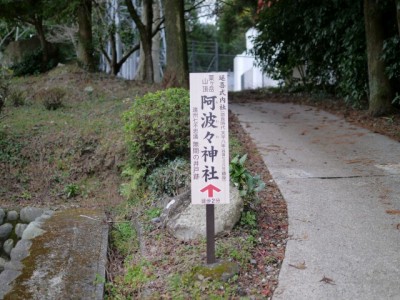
104, 52
63, 33
129, 53
6, 36
196, 6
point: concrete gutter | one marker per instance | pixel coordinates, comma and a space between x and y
67, 262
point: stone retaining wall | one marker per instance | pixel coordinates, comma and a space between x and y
18, 225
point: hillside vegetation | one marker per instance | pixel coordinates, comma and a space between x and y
71, 155
63, 144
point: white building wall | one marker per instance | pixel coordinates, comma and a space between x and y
241, 64
247, 75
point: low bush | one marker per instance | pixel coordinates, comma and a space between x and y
11, 150
247, 184
51, 98
170, 179
16, 98
157, 128
32, 64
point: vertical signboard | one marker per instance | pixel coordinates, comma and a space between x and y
209, 138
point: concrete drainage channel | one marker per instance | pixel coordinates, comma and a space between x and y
52, 255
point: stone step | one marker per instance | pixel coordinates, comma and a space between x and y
66, 262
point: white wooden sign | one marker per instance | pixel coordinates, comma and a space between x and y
209, 138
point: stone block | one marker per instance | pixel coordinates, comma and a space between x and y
12, 216
29, 214
8, 245
5, 231
186, 221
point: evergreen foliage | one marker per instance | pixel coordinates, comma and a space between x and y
157, 128
328, 38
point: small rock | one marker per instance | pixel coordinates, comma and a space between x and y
33, 230
156, 220
46, 215
187, 222
12, 216
21, 250
89, 89
5, 231
19, 229
269, 269
253, 261
8, 245
29, 214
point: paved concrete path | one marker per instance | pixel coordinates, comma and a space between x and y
67, 262
342, 187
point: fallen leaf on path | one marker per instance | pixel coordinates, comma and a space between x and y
393, 211
359, 160
300, 266
327, 280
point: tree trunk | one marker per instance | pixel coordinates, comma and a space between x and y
380, 89
398, 15
38, 23
140, 73
177, 70
156, 39
114, 58
146, 34
85, 37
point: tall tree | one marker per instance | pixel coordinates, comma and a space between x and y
85, 36
177, 70
146, 35
6, 33
380, 89
114, 31
398, 14
349, 47
28, 12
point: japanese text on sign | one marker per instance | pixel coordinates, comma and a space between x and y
209, 138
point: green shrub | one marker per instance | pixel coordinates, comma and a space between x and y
241, 177
16, 98
10, 150
124, 237
249, 219
170, 179
157, 127
71, 190
135, 182
33, 64
51, 98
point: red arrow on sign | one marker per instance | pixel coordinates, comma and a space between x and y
210, 189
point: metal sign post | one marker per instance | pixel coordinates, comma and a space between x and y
210, 228
209, 146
